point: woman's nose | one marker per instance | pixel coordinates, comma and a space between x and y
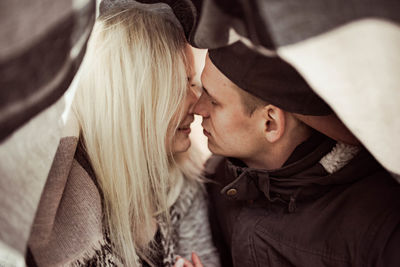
192, 97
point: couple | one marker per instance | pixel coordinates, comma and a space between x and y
286, 194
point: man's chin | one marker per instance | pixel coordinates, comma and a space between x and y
214, 149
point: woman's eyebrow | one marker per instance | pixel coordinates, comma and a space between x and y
191, 77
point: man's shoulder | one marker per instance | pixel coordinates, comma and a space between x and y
377, 187
376, 204
375, 198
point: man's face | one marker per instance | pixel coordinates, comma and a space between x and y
230, 130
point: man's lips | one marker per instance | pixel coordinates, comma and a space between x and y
206, 133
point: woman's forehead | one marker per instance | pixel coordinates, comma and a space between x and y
190, 61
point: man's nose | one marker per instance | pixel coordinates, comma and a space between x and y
200, 107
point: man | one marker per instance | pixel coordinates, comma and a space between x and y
284, 193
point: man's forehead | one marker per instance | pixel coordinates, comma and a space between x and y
213, 79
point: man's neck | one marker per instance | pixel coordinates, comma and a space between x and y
271, 159
276, 155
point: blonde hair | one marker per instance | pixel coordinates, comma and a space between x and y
132, 82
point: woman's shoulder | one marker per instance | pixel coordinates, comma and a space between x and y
191, 192
68, 227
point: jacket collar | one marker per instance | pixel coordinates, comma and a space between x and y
303, 176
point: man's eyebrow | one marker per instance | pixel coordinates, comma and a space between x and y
205, 90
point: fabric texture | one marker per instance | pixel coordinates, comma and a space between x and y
25, 161
160, 9
354, 68
69, 231
68, 223
41, 46
272, 24
306, 213
183, 11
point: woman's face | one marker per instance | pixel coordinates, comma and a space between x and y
181, 141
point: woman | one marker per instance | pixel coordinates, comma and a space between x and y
133, 105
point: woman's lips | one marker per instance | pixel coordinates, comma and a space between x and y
185, 129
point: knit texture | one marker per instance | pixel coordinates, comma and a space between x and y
340, 155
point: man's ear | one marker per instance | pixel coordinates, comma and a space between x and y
274, 123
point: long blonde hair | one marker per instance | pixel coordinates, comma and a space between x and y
132, 82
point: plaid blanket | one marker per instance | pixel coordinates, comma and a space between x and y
42, 43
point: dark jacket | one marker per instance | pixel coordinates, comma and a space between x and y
301, 215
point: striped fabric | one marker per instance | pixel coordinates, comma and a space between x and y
42, 44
